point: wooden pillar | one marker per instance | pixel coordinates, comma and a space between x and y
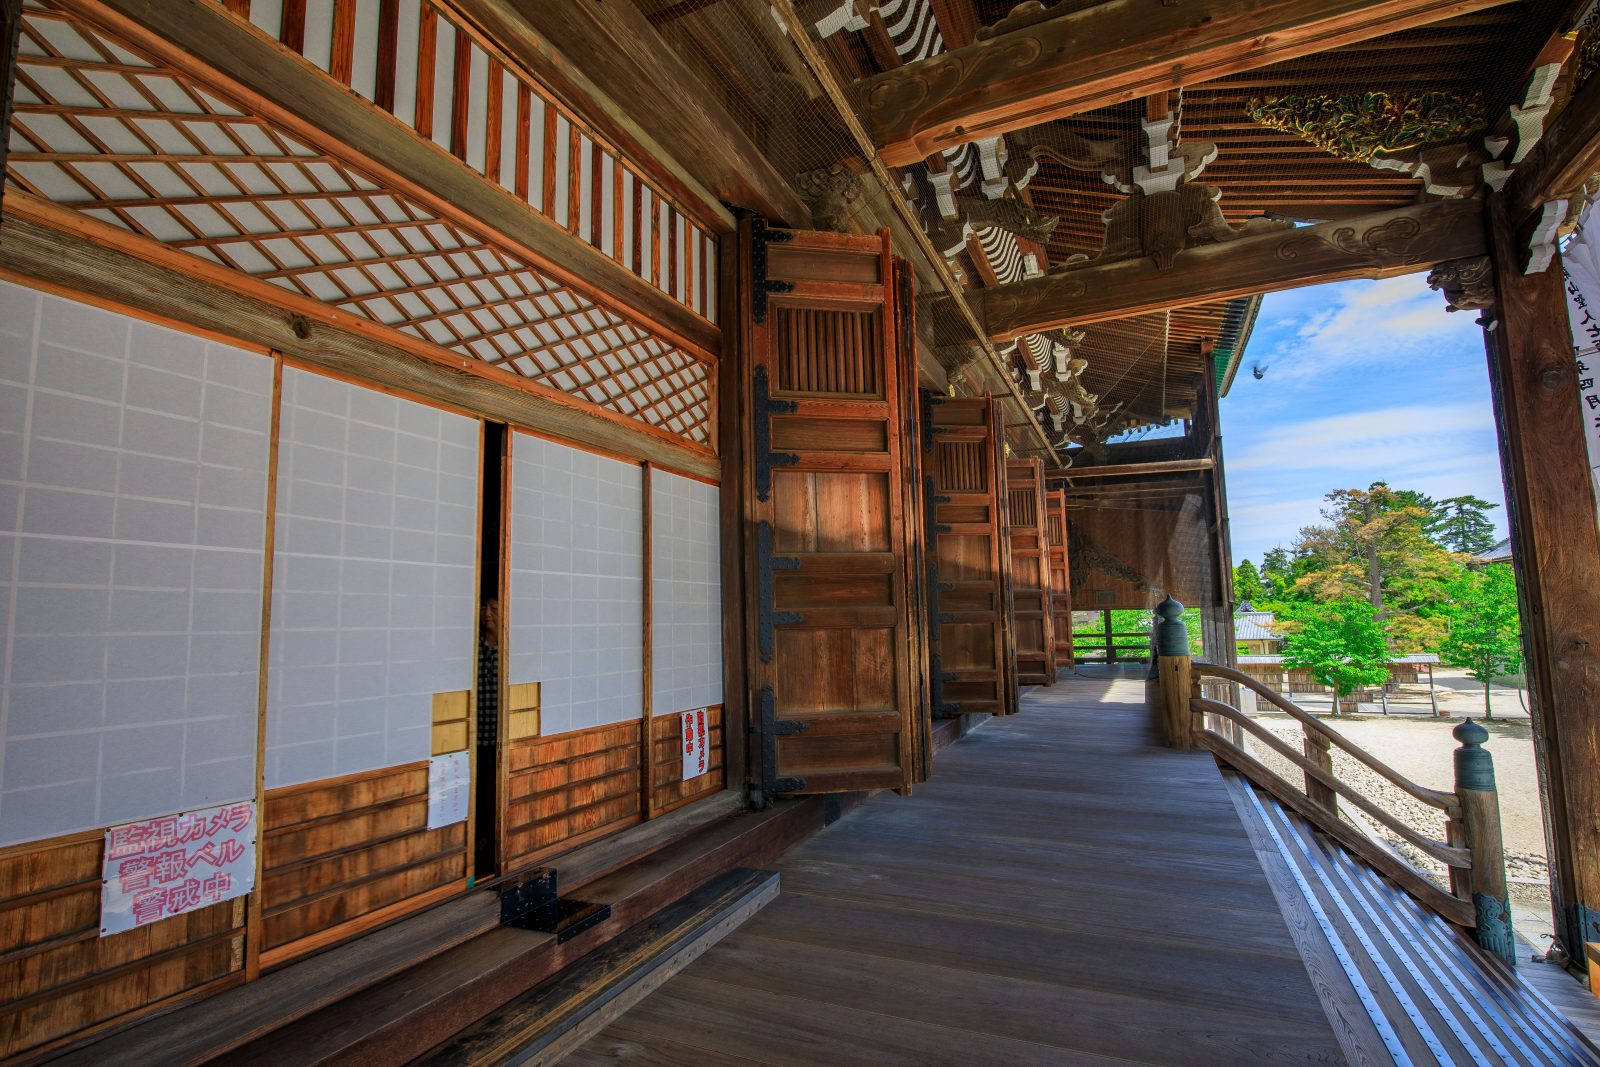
1550, 506
1480, 832
740, 743
1175, 672
10, 32
1319, 750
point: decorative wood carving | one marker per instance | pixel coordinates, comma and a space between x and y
1381, 245
830, 193
1085, 554
1362, 126
1564, 158
1467, 284
1040, 64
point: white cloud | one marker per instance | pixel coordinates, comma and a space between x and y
1369, 324
1407, 435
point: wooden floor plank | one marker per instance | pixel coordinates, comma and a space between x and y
1131, 1027
1063, 890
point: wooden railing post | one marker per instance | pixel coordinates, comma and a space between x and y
1319, 750
1173, 668
1480, 829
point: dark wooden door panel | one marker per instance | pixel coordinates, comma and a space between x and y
1030, 573
964, 471
834, 669
1060, 576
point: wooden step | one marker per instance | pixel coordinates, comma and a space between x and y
198, 1033
545, 1024
1399, 983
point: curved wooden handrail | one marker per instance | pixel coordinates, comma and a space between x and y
1449, 855
1445, 802
1407, 877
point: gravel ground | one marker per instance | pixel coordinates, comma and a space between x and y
1421, 749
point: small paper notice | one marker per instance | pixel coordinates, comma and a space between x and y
157, 868
696, 744
449, 779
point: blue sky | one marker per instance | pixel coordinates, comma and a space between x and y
1365, 381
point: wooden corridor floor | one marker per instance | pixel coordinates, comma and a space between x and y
1063, 891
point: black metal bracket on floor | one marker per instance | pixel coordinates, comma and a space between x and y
765, 457
769, 728
768, 617
533, 903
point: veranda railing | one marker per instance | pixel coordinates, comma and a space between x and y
1470, 846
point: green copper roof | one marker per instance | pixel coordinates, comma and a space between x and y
1236, 327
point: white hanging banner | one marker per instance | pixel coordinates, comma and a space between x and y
157, 868
449, 777
1580, 262
696, 744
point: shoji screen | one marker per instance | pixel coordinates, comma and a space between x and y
374, 576
685, 595
133, 476
577, 584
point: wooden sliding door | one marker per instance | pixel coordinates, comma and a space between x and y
1060, 576
829, 584
1030, 573
973, 668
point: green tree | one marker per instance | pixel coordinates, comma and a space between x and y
1277, 572
1485, 630
1247, 584
1340, 643
1462, 523
1375, 545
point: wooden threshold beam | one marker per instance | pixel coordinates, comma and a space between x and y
76, 256
1092, 57
1402, 241
1113, 470
203, 40
1564, 158
606, 61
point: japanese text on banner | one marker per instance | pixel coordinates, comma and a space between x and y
161, 867
696, 744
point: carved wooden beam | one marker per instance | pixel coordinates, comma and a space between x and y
1381, 245
606, 60
1036, 66
1564, 158
203, 39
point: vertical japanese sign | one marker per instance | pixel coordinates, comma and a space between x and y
696, 744
1581, 264
449, 777
163, 867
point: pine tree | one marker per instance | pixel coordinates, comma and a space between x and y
1247, 585
1374, 545
1462, 523
1277, 573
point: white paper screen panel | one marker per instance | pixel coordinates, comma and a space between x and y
133, 481
685, 594
374, 577
577, 584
